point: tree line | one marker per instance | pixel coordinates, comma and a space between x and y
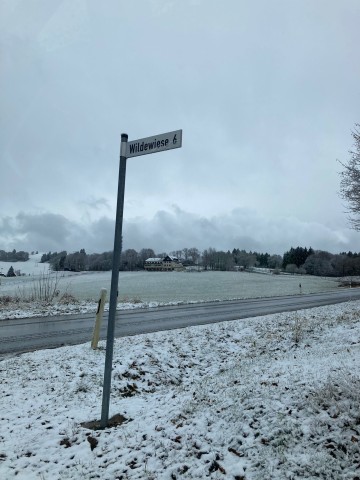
299, 260
14, 256
79, 261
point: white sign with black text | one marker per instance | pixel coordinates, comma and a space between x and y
155, 144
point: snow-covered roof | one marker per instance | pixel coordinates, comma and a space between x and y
158, 260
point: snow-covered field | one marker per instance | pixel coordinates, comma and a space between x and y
31, 267
80, 291
19, 297
274, 397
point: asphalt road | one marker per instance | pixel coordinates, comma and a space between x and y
29, 334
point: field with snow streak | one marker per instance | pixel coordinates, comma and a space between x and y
168, 287
275, 397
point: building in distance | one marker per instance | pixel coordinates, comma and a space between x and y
166, 264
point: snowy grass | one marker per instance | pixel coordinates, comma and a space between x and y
273, 397
49, 293
43, 288
178, 286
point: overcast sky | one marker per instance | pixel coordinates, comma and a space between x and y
266, 92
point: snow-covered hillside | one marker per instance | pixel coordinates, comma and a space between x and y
31, 267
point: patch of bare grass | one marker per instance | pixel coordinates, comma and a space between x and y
44, 288
68, 299
135, 300
7, 300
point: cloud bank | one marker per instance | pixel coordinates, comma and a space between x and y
170, 230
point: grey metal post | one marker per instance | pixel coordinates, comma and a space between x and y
114, 284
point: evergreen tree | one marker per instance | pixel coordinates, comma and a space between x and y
296, 256
11, 272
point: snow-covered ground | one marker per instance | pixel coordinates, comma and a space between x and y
273, 397
68, 305
30, 267
165, 286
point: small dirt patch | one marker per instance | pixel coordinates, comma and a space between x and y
114, 421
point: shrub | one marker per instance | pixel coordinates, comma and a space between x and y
43, 288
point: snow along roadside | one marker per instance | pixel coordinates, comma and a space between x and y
267, 397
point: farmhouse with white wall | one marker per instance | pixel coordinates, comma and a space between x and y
166, 264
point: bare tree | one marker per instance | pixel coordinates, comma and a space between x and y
275, 261
320, 264
350, 181
144, 254
176, 253
186, 253
291, 268
194, 253
129, 259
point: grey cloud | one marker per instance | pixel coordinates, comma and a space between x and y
41, 232
241, 228
171, 230
95, 203
261, 128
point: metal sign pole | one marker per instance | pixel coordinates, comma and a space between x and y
142, 146
114, 283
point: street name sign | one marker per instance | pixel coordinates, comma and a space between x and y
155, 144
143, 146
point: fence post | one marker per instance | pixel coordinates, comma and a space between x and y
99, 314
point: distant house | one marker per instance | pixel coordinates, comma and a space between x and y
239, 268
166, 264
153, 264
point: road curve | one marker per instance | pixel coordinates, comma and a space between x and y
29, 334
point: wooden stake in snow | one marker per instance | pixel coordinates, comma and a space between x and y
99, 315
